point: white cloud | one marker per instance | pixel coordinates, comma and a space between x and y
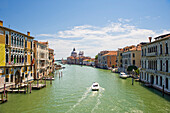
124, 20
93, 39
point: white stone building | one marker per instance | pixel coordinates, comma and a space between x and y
155, 61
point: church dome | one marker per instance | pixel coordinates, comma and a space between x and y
74, 53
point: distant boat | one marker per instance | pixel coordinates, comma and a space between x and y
123, 75
95, 86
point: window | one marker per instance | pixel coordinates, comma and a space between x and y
166, 83
6, 79
12, 58
31, 44
160, 48
25, 42
134, 62
6, 37
25, 68
25, 58
160, 65
12, 40
166, 65
160, 81
156, 80
133, 55
7, 71
7, 56
166, 48
12, 78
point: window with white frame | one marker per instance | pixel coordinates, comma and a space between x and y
7, 55
6, 37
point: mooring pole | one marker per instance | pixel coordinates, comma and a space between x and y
18, 88
163, 91
2, 97
51, 80
30, 87
6, 96
4, 90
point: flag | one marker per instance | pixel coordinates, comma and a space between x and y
14, 60
23, 60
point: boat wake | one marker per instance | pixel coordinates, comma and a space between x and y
81, 99
101, 90
87, 94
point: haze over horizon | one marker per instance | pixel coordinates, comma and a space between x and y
89, 26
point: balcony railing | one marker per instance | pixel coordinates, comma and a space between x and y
152, 54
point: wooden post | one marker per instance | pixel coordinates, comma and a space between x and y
4, 90
132, 81
41, 79
30, 87
18, 88
163, 91
45, 80
2, 97
51, 80
25, 89
37, 82
6, 96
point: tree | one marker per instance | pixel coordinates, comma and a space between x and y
96, 57
130, 68
137, 71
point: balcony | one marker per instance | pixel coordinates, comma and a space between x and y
152, 54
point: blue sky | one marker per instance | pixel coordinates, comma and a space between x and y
88, 25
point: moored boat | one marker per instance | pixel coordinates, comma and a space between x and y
123, 75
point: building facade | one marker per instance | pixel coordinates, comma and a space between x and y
51, 60
108, 60
100, 64
16, 61
41, 59
155, 62
129, 56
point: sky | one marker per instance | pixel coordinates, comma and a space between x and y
87, 25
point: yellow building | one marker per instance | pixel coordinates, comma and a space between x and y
16, 51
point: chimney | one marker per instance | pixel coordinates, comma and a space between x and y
1, 23
28, 33
150, 39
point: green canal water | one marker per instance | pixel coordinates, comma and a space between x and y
71, 94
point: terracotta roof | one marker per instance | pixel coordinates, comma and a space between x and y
86, 60
50, 49
43, 42
111, 53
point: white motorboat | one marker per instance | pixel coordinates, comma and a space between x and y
123, 75
95, 86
